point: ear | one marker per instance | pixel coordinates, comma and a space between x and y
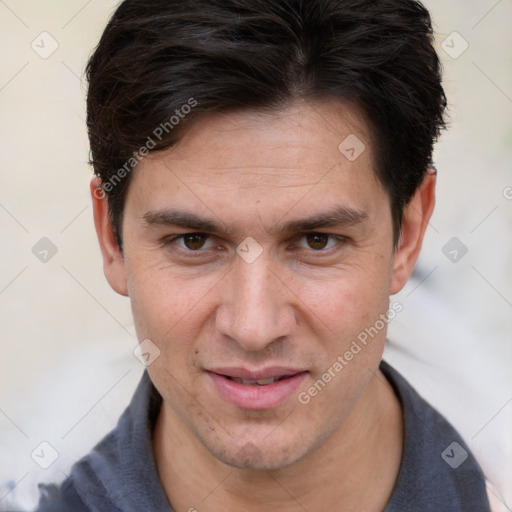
113, 262
414, 224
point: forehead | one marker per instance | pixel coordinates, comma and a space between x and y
291, 157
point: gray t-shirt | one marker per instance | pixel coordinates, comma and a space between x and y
438, 473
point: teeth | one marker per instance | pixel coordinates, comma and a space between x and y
259, 382
264, 382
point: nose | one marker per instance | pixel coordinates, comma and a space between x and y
257, 307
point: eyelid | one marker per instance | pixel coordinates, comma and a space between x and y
341, 239
168, 240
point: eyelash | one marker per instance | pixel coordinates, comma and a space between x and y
341, 240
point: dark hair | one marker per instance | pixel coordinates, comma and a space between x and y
157, 56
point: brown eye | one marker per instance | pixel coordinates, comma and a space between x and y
317, 241
194, 241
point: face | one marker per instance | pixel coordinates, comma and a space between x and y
255, 253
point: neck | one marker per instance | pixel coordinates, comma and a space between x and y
355, 469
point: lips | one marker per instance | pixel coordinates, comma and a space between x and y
256, 390
272, 372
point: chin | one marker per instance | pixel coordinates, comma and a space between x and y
250, 457
266, 454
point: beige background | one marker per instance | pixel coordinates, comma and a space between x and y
66, 366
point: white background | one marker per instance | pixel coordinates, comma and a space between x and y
66, 366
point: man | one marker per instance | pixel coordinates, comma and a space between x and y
263, 185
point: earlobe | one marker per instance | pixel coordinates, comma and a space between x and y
113, 262
414, 224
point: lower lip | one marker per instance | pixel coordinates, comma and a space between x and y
257, 397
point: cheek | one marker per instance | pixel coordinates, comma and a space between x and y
171, 314
165, 307
351, 309
347, 301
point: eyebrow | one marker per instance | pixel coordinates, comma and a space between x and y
183, 219
337, 217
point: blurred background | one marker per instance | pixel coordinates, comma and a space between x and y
67, 368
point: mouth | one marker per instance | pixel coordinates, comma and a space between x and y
256, 390
257, 382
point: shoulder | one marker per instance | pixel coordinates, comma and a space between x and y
86, 489
63, 498
438, 470
119, 473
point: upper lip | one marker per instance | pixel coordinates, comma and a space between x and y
264, 373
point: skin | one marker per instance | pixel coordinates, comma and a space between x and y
296, 305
